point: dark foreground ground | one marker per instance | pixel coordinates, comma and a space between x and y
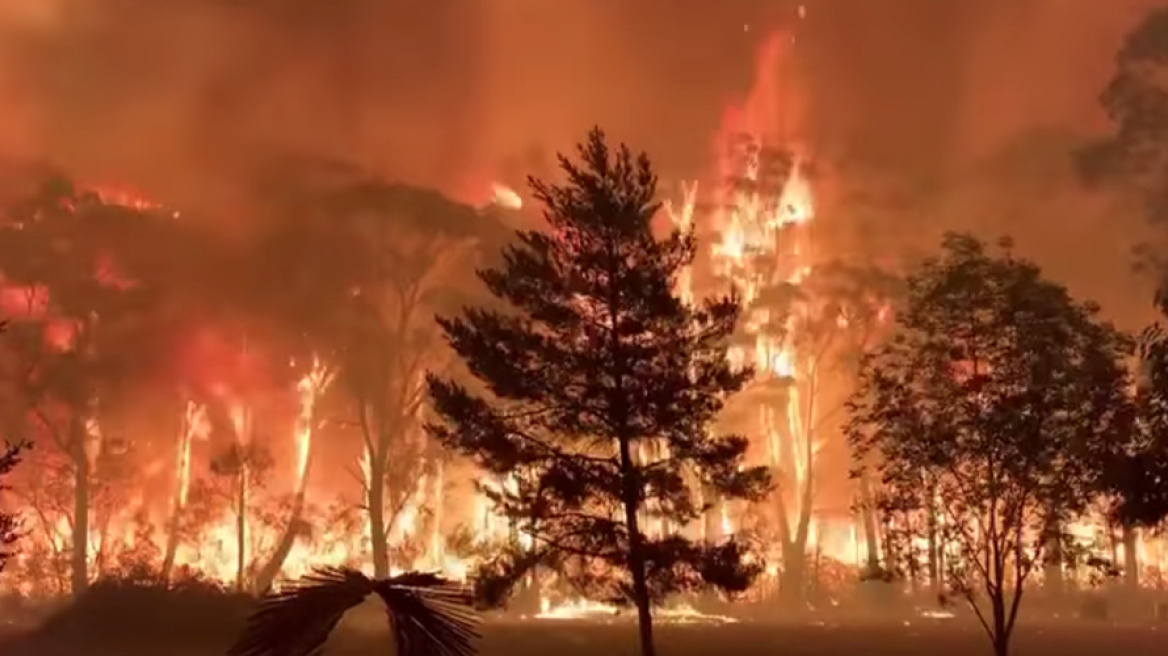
571, 638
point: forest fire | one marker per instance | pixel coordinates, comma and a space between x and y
239, 493
237, 514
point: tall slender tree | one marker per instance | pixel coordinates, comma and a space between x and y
601, 386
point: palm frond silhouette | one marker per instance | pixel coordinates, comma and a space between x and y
428, 615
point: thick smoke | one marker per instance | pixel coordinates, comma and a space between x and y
183, 98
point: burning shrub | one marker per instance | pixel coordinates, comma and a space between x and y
140, 603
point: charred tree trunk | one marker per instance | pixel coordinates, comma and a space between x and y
793, 576
1131, 561
998, 622
267, 576
870, 523
101, 558
242, 482
933, 557
712, 519
296, 528
1052, 568
178, 500
437, 503
171, 552
375, 497
641, 598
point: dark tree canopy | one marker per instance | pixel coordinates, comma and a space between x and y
600, 388
986, 416
1137, 477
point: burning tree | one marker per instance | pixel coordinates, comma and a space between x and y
242, 467
362, 266
602, 387
805, 319
413, 240
988, 409
85, 334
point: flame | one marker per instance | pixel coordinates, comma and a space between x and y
195, 426
505, 196
308, 388
760, 239
582, 609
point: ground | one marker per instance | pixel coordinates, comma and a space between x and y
565, 638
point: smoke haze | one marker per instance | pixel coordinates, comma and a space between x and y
182, 97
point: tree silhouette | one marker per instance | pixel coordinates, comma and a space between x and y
427, 615
10, 530
989, 407
601, 387
1137, 476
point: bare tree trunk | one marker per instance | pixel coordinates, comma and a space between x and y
375, 496
637, 552
437, 504
267, 576
81, 494
712, 520
1131, 561
101, 559
793, 576
178, 500
871, 528
999, 624
296, 528
172, 527
932, 557
1053, 565
241, 529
